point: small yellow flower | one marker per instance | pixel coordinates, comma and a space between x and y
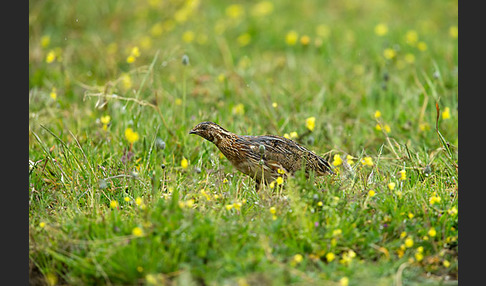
410, 215
298, 258
391, 186
235, 11
403, 234
229, 206
138, 201
337, 160
432, 232
344, 281
371, 193
53, 93
262, 9
243, 39
184, 163
131, 136
190, 203
350, 159
188, 36
319, 204
310, 123
130, 59
452, 211
105, 119
239, 109
45, 41
126, 199
291, 38
139, 268
367, 161
274, 105
419, 256
273, 210
280, 171
377, 114
389, 53
279, 180
337, 232
446, 263
137, 231
113, 204
411, 37
381, 29
42, 224
422, 46
272, 185
134, 53
51, 56
446, 114
425, 237
403, 175
293, 135
434, 199
330, 256
305, 40
409, 58
453, 32
126, 81
409, 242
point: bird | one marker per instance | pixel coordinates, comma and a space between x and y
265, 157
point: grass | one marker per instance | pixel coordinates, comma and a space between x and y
159, 206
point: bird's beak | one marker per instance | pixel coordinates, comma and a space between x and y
192, 132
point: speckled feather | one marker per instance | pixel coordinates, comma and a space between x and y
243, 151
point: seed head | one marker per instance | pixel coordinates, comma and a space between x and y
185, 60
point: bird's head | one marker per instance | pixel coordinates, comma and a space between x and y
210, 131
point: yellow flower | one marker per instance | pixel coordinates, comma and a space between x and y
291, 38
403, 175
42, 224
446, 263
279, 180
188, 36
298, 258
371, 193
131, 136
446, 114
453, 32
190, 203
389, 53
137, 231
51, 279
280, 171
419, 256
221, 77
330, 256
272, 185
377, 114
411, 37
319, 204
349, 159
239, 109
410, 215
381, 29
45, 41
410, 58
262, 8
304, 40
126, 81
434, 199
243, 39
184, 163
337, 160
337, 232
367, 161
452, 211
273, 210
126, 199
105, 119
274, 105
51, 56
134, 53
138, 201
422, 46
409, 242
140, 269
403, 234
293, 135
235, 11
310, 123
113, 204
432, 232
53, 93
229, 207
344, 281
391, 186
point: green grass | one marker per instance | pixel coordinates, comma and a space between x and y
205, 224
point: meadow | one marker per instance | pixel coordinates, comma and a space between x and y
121, 194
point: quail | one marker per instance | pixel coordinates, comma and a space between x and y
264, 158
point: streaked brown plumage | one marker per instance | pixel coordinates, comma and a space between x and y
247, 155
